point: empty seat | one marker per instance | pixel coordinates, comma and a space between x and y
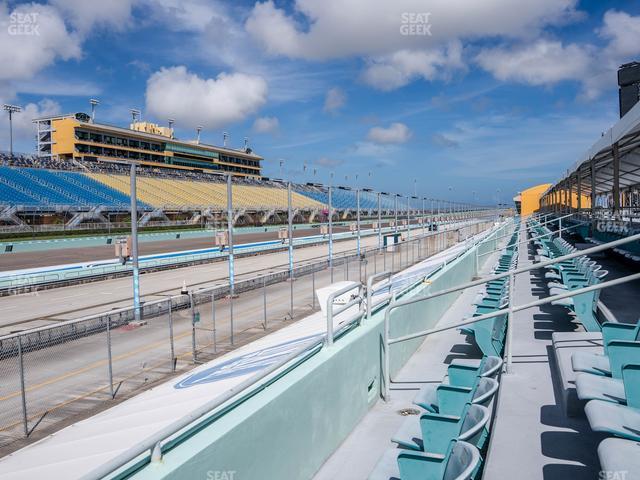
460, 463
618, 455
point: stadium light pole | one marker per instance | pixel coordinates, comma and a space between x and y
11, 109
379, 221
134, 243
330, 233
94, 103
230, 256
423, 213
358, 220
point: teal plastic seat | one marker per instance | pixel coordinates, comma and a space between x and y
432, 432
619, 455
450, 399
599, 364
460, 463
616, 419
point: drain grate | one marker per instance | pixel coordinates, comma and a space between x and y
408, 411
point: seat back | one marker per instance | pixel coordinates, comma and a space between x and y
485, 390
462, 461
631, 379
472, 428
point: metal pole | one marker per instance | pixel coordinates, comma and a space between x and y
23, 391
134, 243
264, 301
290, 230
213, 318
109, 356
379, 222
395, 213
230, 257
193, 329
11, 133
358, 220
313, 289
510, 323
330, 235
171, 340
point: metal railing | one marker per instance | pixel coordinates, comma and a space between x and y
174, 333
155, 445
511, 308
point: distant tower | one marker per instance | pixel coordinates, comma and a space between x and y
629, 83
135, 113
171, 122
225, 136
198, 130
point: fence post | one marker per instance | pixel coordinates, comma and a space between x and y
510, 323
172, 350
109, 355
23, 392
313, 289
213, 317
264, 302
193, 329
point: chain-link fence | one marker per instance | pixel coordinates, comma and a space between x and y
53, 374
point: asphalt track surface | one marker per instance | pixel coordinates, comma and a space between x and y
16, 261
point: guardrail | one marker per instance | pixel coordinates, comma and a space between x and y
153, 447
509, 311
20, 351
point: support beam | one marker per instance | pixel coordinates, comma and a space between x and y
616, 179
579, 188
593, 187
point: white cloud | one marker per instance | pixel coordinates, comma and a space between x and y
266, 125
623, 32
212, 102
343, 28
22, 56
541, 63
187, 15
334, 100
86, 15
402, 67
394, 133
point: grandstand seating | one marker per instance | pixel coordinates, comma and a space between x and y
30, 186
570, 275
456, 410
176, 192
346, 199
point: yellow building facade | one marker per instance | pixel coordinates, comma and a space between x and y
76, 136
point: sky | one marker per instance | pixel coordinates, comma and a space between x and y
459, 99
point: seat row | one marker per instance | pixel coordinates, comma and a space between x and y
490, 334
449, 439
572, 274
609, 383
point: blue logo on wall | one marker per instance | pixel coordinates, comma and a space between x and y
244, 364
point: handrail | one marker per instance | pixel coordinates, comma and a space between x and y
551, 233
558, 218
553, 261
370, 280
330, 312
517, 308
395, 304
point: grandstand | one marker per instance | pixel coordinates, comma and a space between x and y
42, 190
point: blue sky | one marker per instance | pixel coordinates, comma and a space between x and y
492, 95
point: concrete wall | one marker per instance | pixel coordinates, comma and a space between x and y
291, 427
